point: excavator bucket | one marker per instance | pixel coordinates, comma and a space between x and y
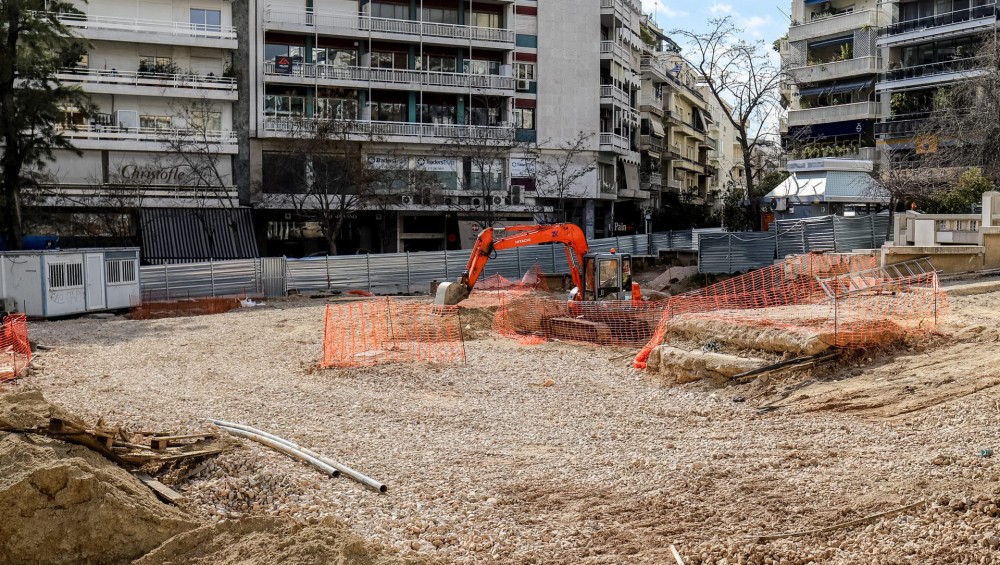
450, 294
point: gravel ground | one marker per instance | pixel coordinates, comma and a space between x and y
485, 465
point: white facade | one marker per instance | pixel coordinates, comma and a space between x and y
157, 74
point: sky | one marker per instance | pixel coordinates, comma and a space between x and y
761, 19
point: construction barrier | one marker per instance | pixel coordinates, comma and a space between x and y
844, 300
531, 318
370, 332
15, 349
490, 291
154, 310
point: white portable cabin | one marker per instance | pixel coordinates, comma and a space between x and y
63, 282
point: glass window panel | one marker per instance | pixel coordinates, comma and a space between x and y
272, 50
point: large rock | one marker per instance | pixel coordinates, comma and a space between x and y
687, 366
746, 335
63, 503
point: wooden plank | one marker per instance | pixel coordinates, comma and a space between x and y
162, 442
143, 459
163, 491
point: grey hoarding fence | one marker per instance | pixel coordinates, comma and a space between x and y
737, 252
387, 273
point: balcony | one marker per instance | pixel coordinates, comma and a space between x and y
614, 50
614, 143
833, 25
362, 26
902, 126
283, 126
621, 8
401, 78
651, 181
834, 70
149, 31
183, 85
829, 114
611, 95
921, 75
651, 104
654, 68
959, 22
673, 185
98, 136
650, 143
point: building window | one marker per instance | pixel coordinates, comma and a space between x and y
155, 122
336, 108
481, 67
388, 60
484, 116
274, 50
337, 58
440, 15
482, 19
439, 64
389, 112
437, 113
206, 20
524, 71
157, 65
206, 120
65, 275
284, 105
524, 118
120, 271
389, 10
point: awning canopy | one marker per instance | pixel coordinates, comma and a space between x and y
830, 186
657, 126
839, 87
181, 235
631, 177
852, 128
829, 42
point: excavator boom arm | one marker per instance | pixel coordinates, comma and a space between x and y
497, 239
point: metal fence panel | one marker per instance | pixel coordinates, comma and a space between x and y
307, 275
347, 272
425, 268
750, 251
713, 253
389, 273
193, 280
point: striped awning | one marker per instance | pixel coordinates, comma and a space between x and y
183, 235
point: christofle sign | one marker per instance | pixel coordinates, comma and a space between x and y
175, 174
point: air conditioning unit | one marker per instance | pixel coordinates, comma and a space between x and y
779, 204
449, 201
497, 200
477, 202
515, 196
523, 84
407, 199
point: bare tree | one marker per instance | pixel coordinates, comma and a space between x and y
558, 173
195, 148
743, 75
326, 174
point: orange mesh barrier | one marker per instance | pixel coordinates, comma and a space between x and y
491, 290
843, 299
15, 350
370, 332
148, 310
533, 319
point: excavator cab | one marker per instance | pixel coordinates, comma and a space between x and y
607, 276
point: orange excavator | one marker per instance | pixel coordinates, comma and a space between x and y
601, 276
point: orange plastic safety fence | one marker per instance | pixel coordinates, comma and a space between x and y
489, 291
153, 310
815, 295
370, 332
15, 350
532, 319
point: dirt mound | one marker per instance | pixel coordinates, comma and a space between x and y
63, 503
254, 541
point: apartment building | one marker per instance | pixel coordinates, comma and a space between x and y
688, 171
927, 45
158, 74
833, 66
725, 154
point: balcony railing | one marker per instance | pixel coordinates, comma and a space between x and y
902, 125
932, 69
823, 26
655, 179
655, 66
834, 70
392, 76
105, 132
827, 114
651, 104
623, 7
361, 23
87, 21
614, 142
985, 12
650, 143
282, 124
617, 50
159, 80
613, 93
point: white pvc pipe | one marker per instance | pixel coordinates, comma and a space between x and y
293, 453
357, 476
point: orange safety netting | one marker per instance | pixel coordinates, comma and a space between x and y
370, 332
15, 350
491, 290
533, 319
843, 299
154, 310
